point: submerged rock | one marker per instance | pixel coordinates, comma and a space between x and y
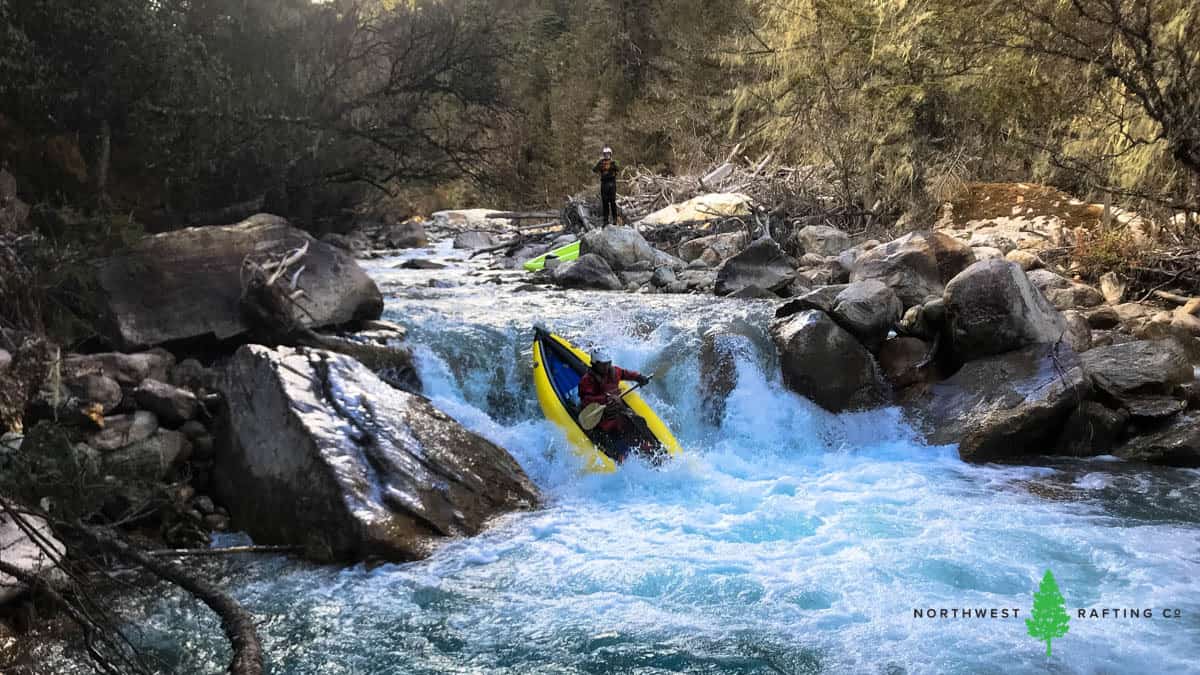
324, 454
1005, 406
992, 308
187, 283
762, 264
826, 364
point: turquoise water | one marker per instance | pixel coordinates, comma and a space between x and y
785, 540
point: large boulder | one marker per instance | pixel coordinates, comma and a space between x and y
992, 308
823, 240
762, 264
721, 246
1141, 367
1064, 293
1005, 406
322, 453
952, 255
719, 350
623, 248
907, 265
869, 310
463, 220
826, 364
586, 271
1174, 443
407, 234
906, 361
475, 239
187, 283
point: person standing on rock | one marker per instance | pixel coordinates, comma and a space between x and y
608, 169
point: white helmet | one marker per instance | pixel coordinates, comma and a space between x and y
606, 151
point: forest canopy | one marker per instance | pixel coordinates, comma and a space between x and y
185, 111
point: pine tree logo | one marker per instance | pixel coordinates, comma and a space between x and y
1049, 617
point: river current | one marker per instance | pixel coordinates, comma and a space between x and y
784, 540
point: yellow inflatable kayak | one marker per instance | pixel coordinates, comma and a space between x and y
557, 368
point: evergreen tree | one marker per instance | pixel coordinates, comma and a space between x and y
1049, 617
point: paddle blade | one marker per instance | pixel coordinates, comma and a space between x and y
591, 416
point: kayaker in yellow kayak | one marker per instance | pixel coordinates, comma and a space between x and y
619, 426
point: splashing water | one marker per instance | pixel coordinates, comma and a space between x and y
784, 540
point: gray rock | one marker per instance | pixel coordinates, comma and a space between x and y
722, 246
699, 280
187, 283
1091, 430
407, 234
14, 213
95, 388
147, 460
762, 264
1138, 367
190, 374
698, 264
587, 271
821, 298
341, 241
1142, 408
823, 240
824, 363
173, 405
905, 361
664, 259
992, 308
622, 248
952, 255
204, 504
1112, 287
326, 455
720, 349
925, 321
422, 264
992, 240
1175, 443
127, 369
869, 310
1026, 260
635, 280
1079, 333
1064, 293
663, 276
907, 265
122, 430
1103, 317
1005, 406
812, 260
475, 240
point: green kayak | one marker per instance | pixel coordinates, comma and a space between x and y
563, 253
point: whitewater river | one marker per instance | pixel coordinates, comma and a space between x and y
785, 540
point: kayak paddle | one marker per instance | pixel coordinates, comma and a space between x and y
594, 412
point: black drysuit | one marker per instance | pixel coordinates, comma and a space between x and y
608, 169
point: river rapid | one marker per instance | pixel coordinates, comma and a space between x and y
784, 540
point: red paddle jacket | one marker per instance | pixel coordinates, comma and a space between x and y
595, 389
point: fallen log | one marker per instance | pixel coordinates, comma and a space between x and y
523, 215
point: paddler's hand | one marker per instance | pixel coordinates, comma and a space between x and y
642, 380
